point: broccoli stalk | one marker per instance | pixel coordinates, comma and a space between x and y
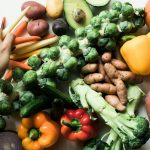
130, 130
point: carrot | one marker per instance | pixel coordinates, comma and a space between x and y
24, 56
36, 46
23, 45
20, 28
15, 64
8, 74
49, 36
11, 27
3, 23
20, 40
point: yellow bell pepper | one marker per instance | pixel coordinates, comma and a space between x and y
38, 132
136, 53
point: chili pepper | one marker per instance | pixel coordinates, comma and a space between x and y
38, 132
76, 125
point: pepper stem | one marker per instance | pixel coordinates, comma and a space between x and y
34, 134
74, 124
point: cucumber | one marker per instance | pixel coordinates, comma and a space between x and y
98, 2
70, 6
35, 106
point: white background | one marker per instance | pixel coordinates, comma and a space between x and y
11, 9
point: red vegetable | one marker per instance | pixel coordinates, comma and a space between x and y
147, 101
76, 125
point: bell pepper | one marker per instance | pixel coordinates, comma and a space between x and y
77, 126
136, 53
38, 132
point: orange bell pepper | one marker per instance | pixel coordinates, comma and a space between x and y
136, 53
38, 132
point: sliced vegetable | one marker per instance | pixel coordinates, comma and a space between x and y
38, 132
73, 7
98, 2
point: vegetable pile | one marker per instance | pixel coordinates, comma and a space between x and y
103, 50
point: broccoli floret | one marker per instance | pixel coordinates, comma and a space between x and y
62, 73
5, 105
96, 22
73, 45
18, 74
5, 87
54, 53
30, 78
34, 62
26, 97
44, 54
93, 35
80, 32
117, 5
64, 40
111, 30
71, 63
46, 82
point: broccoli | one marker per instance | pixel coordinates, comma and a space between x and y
5, 87
30, 78
34, 62
46, 82
26, 97
80, 32
62, 73
130, 130
81, 62
73, 45
5, 105
117, 5
54, 53
111, 30
44, 54
125, 26
113, 15
2, 123
103, 15
17, 74
71, 63
64, 40
93, 35
96, 22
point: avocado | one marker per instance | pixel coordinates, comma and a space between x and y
98, 2
78, 13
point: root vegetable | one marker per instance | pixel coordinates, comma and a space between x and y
119, 64
111, 71
130, 77
106, 88
121, 90
114, 101
89, 68
106, 57
93, 78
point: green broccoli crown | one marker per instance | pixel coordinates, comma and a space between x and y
62, 73
5, 87
18, 74
64, 40
54, 53
117, 5
96, 22
80, 32
34, 62
135, 143
44, 53
30, 78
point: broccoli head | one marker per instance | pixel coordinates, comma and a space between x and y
62, 73
18, 74
46, 82
34, 62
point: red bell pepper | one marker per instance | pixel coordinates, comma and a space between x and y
77, 125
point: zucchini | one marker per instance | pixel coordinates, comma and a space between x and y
98, 2
34, 106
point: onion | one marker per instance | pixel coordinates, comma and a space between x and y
9, 141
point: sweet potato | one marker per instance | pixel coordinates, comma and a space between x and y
147, 102
121, 90
119, 64
130, 77
106, 57
36, 11
111, 71
114, 101
93, 78
38, 27
89, 68
106, 88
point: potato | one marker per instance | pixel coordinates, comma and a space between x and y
38, 27
36, 11
54, 8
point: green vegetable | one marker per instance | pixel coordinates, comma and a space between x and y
127, 10
54, 53
16, 106
80, 32
45, 53
73, 45
71, 63
2, 123
139, 12
64, 40
34, 106
62, 73
117, 5
49, 69
130, 130
72, 7
111, 30
57, 112
5, 87
98, 2
46, 81
81, 62
125, 26
96, 22
5, 105
113, 15
26, 97
103, 15
138, 22
93, 36
30, 78
34, 62
17, 74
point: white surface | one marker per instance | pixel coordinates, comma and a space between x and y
11, 9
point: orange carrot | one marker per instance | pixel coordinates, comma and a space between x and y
20, 28
8, 74
15, 64
20, 40
49, 36
3, 24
